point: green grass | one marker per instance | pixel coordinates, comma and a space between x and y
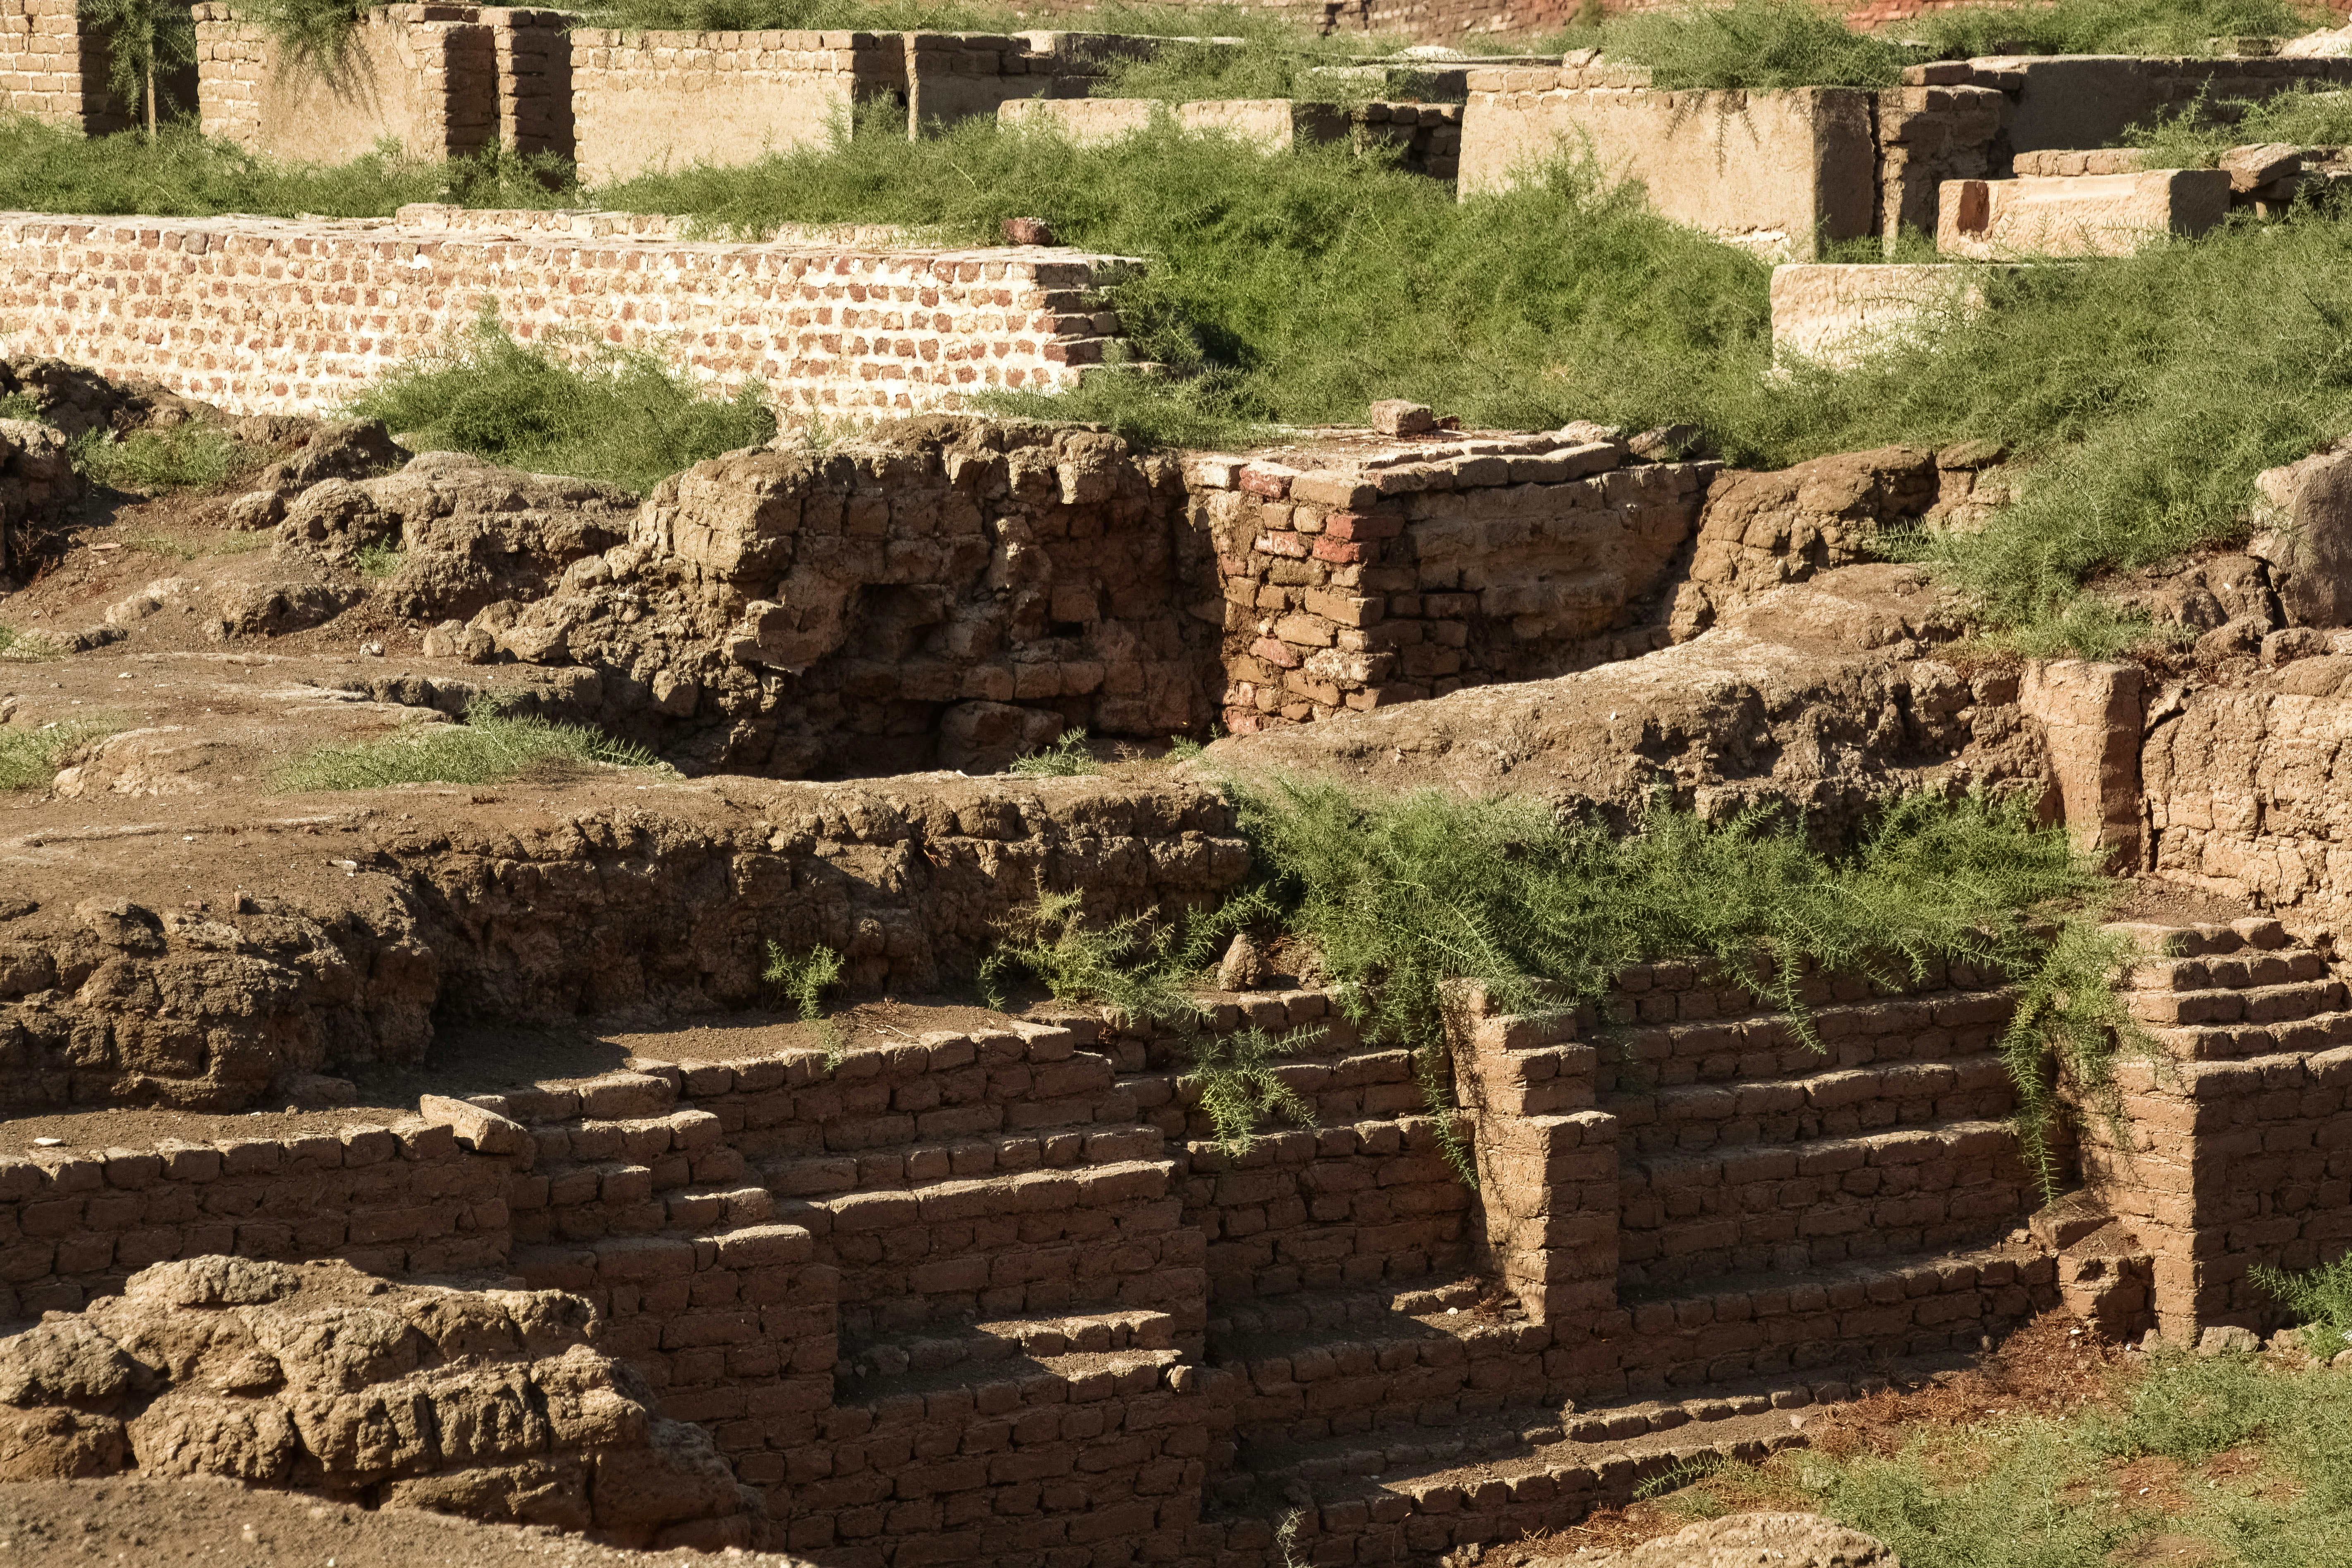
190, 547
29, 754
488, 746
1759, 45
380, 560
623, 416
193, 456
2320, 1299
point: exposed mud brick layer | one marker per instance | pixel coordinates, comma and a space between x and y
534, 79
1758, 530
1413, 571
52, 68
1927, 135
667, 904
2233, 1147
260, 316
423, 76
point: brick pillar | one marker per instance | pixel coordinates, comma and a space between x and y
1546, 1161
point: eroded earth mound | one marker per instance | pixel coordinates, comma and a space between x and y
492, 1404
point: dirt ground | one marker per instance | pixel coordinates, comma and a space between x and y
224, 1525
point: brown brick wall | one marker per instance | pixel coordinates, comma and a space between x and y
265, 316
53, 70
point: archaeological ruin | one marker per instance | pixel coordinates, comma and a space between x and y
884, 1073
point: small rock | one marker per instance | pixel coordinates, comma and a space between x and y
455, 639
1244, 967
1666, 444
252, 513
2232, 639
2227, 1339
372, 650
1029, 231
2292, 643
1977, 453
1394, 417
2341, 1361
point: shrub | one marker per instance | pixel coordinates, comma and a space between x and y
1402, 896
1238, 1077
2106, 26
1761, 44
29, 754
2197, 136
802, 979
623, 415
380, 560
181, 172
144, 39
490, 744
1065, 758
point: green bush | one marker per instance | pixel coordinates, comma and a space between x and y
1401, 896
2320, 1298
2197, 136
1761, 44
1065, 758
490, 744
2106, 26
802, 979
182, 173
624, 416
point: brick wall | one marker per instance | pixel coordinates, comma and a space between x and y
651, 101
261, 316
425, 76
51, 69
533, 55
1411, 572
2232, 1145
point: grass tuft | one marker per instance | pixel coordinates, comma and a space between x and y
623, 416
490, 744
383, 559
2107, 27
1759, 45
193, 456
29, 754
1067, 757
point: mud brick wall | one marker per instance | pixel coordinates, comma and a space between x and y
1363, 1196
644, 100
1746, 1149
423, 76
2234, 1147
1427, 136
1402, 578
260, 316
533, 55
54, 69
403, 1199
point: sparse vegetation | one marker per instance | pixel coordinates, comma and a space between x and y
1756, 44
618, 416
2108, 26
383, 559
193, 456
2225, 1461
30, 754
492, 743
1238, 1075
2197, 136
802, 979
1067, 757
2320, 1298
189, 547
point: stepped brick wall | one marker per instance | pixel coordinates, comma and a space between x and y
262, 316
2231, 1147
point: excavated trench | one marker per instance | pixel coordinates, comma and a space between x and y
968, 1285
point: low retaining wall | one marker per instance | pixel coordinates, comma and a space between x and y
261, 316
2090, 100
1426, 136
1838, 312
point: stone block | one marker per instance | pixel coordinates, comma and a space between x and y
1839, 312
2087, 215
